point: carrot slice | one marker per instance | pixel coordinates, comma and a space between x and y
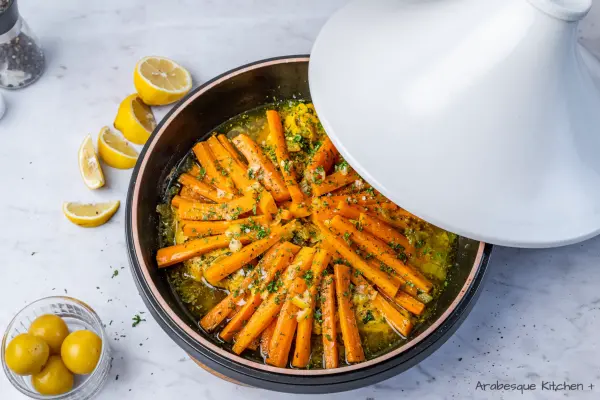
215, 212
324, 158
266, 203
381, 251
386, 233
332, 182
171, 255
241, 317
199, 173
187, 193
209, 228
409, 303
226, 266
203, 189
230, 165
265, 339
276, 258
225, 142
361, 199
177, 200
397, 320
389, 284
218, 176
329, 329
350, 335
268, 310
283, 157
405, 286
304, 330
263, 167
283, 335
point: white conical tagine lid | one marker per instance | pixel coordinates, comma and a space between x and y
482, 117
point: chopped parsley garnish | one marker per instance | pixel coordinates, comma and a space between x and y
318, 316
368, 317
308, 278
136, 320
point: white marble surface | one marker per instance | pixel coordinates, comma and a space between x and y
537, 319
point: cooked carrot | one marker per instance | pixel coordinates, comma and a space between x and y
209, 228
304, 330
328, 327
361, 199
215, 212
203, 189
281, 343
300, 210
233, 168
265, 339
388, 283
386, 233
262, 167
409, 303
232, 151
323, 209
200, 173
177, 200
187, 193
227, 266
381, 251
217, 176
394, 317
269, 308
171, 255
332, 182
241, 317
266, 203
350, 211
284, 257
401, 323
350, 335
283, 157
285, 215
323, 158
358, 186
274, 258
405, 286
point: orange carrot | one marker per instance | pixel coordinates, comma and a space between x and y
265, 339
217, 176
262, 167
215, 212
285, 215
266, 203
323, 158
388, 283
304, 330
277, 257
361, 199
187, 193
350, 335
329, 329
300, 210
283, 335
405, 286
231, 166
177, 200
386, 233
332, 182
227, 266
409, 303
399, 322
381, 251
241, 317
225, 142
283, 158
203, 189
287, 251
209, 228
323, 209
268, 310
350, 211
394, 317
171, 255
200, 173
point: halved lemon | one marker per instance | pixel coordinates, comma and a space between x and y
160, 81
89, 166
115, 151
135, 120
90, 215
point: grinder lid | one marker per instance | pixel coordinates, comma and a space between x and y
479, 117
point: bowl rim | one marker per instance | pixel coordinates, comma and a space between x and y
182, 329
89, 377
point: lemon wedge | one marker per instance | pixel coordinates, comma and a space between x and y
115, 151
89, 166
135, 120
90, 215
160, 81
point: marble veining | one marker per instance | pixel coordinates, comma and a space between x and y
538, 316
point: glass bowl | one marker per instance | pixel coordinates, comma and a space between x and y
77, 315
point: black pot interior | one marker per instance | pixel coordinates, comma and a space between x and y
242, 92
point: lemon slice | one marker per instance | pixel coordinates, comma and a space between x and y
89, 166
135, 120
160, 81
90, 215
115, 151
